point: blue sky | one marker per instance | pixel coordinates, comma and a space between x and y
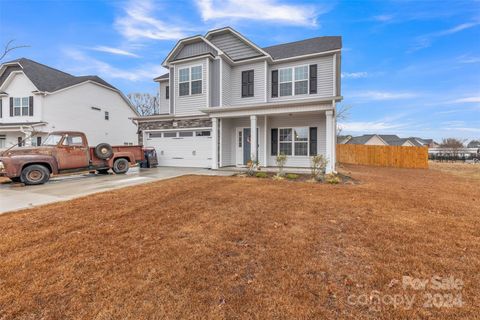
408, 67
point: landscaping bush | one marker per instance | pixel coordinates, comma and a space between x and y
281, 160
261, 175
332, 179
318, 164
292, 176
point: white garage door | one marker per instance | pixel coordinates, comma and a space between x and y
182, 148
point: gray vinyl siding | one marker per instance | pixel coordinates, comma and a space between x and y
164, 104
190, 105
236, 48
215, 83
317, 120
226, 85
193, 50
325, 77
228, 152
172, 91
258, 82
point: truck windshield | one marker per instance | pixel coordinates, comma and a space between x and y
52, 140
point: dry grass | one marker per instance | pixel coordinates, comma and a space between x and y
235, 248
467, 170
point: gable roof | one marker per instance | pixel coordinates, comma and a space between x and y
361, 139
304, 47
165, 76
48, 79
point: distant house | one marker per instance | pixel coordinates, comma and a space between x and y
384, 140
474, 144
35, 98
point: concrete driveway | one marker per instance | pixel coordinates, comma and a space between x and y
15, 196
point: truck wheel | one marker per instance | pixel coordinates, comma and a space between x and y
103, 151
35, 174
120, 166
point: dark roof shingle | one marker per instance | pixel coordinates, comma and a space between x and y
303, 47
49, 79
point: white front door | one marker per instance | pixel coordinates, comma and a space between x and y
182, 148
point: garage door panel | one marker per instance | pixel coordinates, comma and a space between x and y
194, 151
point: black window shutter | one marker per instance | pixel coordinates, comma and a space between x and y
313, 141
167, 92
274, 142
1, 111
313, 78
250, 83
274, 83
244, 84
30, 106
11, 107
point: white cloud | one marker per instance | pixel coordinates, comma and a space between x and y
138, 23
425, 41
354, 75
266, 10
383, 17
381, 95
85, 64
116, 51
468, 59
369, 126
467, 100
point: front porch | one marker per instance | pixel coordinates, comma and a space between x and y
298, 135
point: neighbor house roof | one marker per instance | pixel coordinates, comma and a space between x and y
303, 47
362, 139
162, 77
48, 79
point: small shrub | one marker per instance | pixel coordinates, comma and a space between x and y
261, 175
318, 164
281, 160
332, 179
292, 176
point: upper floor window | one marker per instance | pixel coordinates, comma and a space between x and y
294, 81
247, 83
20, 107
167, 92
190, 80
107, 115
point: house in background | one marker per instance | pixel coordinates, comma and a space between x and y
385, 140
226, 101
40, 99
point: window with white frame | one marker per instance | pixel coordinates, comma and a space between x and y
20, 107
285, 82
293, 141
190, 80
293, 81
301, 80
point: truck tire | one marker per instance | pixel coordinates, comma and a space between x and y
103, 151
35, 174
120, 166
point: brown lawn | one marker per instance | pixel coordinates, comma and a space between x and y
245, 248
467, 170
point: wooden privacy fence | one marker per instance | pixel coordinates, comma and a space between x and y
383, 156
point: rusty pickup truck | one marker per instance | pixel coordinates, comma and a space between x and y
66, 152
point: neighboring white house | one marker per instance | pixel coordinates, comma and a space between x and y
224, 94
383, 140
40, 99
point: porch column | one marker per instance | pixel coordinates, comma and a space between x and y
265, 141
214, 143
330, 146
253, 138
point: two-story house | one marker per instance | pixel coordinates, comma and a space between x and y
224, 95
37, 99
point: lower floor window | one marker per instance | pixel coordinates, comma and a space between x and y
293, 141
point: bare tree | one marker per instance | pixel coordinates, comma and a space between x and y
145, 103
10, 47
343, 113
453, 144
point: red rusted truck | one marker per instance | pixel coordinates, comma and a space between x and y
66, 152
